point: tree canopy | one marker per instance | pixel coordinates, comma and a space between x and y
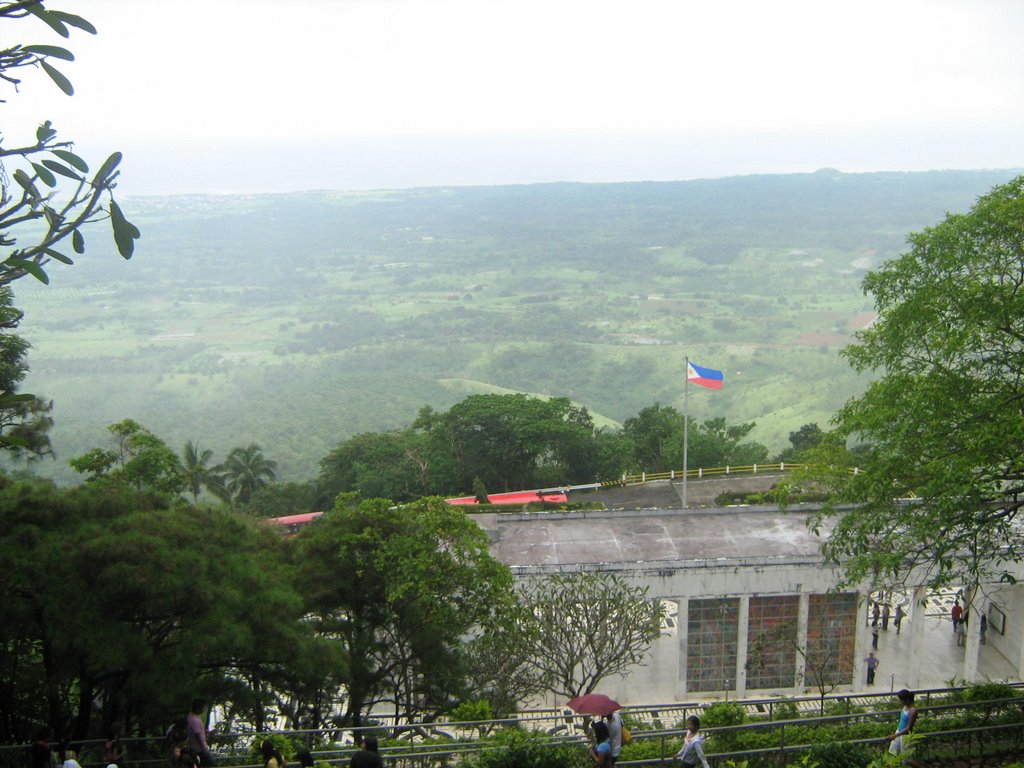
584, 627
25, 419
402, 587
945, 417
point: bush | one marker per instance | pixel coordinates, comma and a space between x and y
841, 755
785, 709
989, 692
288, 747
841, 707
722, 714
526, 749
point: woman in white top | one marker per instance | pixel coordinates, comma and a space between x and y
69, 754
692, 752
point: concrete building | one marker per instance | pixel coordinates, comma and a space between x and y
753, 610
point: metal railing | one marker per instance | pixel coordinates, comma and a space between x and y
662, 724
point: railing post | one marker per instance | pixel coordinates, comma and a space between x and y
700, 472
727, 469
782, 466
673, 476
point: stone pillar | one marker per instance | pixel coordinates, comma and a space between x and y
801, 641
861, 646
973, 613
682, 634
917, 619
743, 630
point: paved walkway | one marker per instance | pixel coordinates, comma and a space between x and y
942, 659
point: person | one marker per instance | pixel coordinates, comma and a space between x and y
983, 627
367, 756
961, 632
69, 756
305, 758
956, 613
874, 615
601, 751
40, 751
692, 751
898, 620
113, 748
872, 664
272, 757
196, 730
614, 721
176, 740
908, 716
885, 617
874, 636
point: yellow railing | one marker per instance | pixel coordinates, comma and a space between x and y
706, 472
703, 472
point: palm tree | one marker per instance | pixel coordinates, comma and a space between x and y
245, 470
200, 474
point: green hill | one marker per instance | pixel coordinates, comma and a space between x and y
298, 320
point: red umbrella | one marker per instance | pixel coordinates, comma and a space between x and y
594, 704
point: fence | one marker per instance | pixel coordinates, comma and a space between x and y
947, 726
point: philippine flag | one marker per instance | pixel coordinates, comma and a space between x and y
705, 377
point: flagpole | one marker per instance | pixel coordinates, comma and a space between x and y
686, 426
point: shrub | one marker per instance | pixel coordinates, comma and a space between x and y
841, 707
839, 755
989, 691
288, 747
785, 709
526, 749
722, 714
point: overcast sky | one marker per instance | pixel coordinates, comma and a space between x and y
264, 95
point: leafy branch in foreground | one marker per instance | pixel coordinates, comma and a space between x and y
48, 193
944, 481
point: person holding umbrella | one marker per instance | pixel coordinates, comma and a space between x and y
604, 753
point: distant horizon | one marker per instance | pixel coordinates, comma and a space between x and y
246, 96
395, 164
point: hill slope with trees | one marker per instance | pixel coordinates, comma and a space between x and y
297, 321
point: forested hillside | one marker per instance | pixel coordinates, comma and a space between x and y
295, 321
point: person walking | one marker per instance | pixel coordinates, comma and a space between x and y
908, 716
601, 751
196, 729
874, 637
614, 721
898, 620
272, 757
956, 613
885, 617
692, 752
368, 755
872, 664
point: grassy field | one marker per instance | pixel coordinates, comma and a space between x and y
296, 321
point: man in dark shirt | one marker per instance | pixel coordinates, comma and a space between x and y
367, 757
42, 755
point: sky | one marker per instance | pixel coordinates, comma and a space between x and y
269, 96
